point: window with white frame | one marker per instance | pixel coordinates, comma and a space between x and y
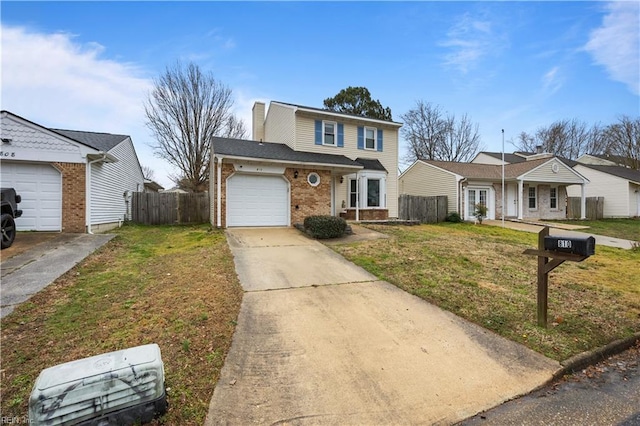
533, 199
369, 190
553, 198
369, 138
373, 192
329, 132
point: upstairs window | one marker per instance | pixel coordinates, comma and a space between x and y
369, 138
329, 133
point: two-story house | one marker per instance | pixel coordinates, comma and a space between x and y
305, 161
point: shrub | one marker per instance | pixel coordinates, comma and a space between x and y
481, 212
322, 227
454, 217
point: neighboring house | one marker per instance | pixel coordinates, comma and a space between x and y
620, 187
152, 186
535, 188
305, 161
69, 181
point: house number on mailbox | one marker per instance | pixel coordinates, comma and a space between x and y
564, 244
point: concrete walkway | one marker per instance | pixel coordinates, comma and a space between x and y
321, 341
28, 272
564, 231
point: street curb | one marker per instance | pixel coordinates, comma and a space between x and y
585, 359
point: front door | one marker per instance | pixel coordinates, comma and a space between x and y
512, 200
476, 196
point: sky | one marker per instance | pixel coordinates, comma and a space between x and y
515, 66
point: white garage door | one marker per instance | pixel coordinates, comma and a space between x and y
257, 200
40, 186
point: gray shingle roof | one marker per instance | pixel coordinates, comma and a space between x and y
487, 171
100, 141
619, 171
371, 164
276, 151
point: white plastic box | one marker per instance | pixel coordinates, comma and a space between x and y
123, 387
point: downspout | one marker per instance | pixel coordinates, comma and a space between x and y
88, 189
218, 194
583, 203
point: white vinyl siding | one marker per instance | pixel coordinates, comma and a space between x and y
279, 126
544, 173
110, 181
305, 135
427, 181
617, 192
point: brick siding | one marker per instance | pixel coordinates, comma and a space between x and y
73, 196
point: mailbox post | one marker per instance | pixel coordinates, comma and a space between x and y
558, 249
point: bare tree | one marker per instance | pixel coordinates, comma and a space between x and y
148, 172
185, 110
564, 138
624, 140
434, 135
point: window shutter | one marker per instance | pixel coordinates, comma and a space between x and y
379, 140
318, 132
340, 135
360, 137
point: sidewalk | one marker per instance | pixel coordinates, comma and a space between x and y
563, 230
319, 340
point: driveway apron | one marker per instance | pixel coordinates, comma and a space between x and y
321, 341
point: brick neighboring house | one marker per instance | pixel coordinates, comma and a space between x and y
535, 185
69, 181
305, 161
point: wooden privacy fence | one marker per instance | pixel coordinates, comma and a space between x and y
169, 208
424, 209
594, 207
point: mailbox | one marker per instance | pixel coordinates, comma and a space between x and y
584, 246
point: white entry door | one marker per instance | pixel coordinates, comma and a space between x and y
512, 200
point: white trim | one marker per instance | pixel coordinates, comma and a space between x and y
570, 169
296, 108
301, 164
375, 138
317, 176
557, 207
335, 132
219, 195
535, 189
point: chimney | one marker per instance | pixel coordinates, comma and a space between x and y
258, 121
539, 149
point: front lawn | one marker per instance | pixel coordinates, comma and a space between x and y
174, 286
479, 273
628, 229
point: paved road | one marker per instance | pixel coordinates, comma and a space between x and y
605, 394
30, 271
321, 341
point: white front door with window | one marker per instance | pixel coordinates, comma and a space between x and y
479, 195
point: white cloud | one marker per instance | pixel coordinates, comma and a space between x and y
470, 40
616, 43
552, 80
55, 81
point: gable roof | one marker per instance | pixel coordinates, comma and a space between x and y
279, 152
618, 171
508, 158
490, 171
338, 114
100, 141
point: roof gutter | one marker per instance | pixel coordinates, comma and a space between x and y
294, 163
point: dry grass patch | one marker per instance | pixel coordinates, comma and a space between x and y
174, 286
480, 273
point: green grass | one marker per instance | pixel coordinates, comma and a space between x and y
628, 229
174, 286
480, 273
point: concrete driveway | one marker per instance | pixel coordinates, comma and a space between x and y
321, 341
33, 267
